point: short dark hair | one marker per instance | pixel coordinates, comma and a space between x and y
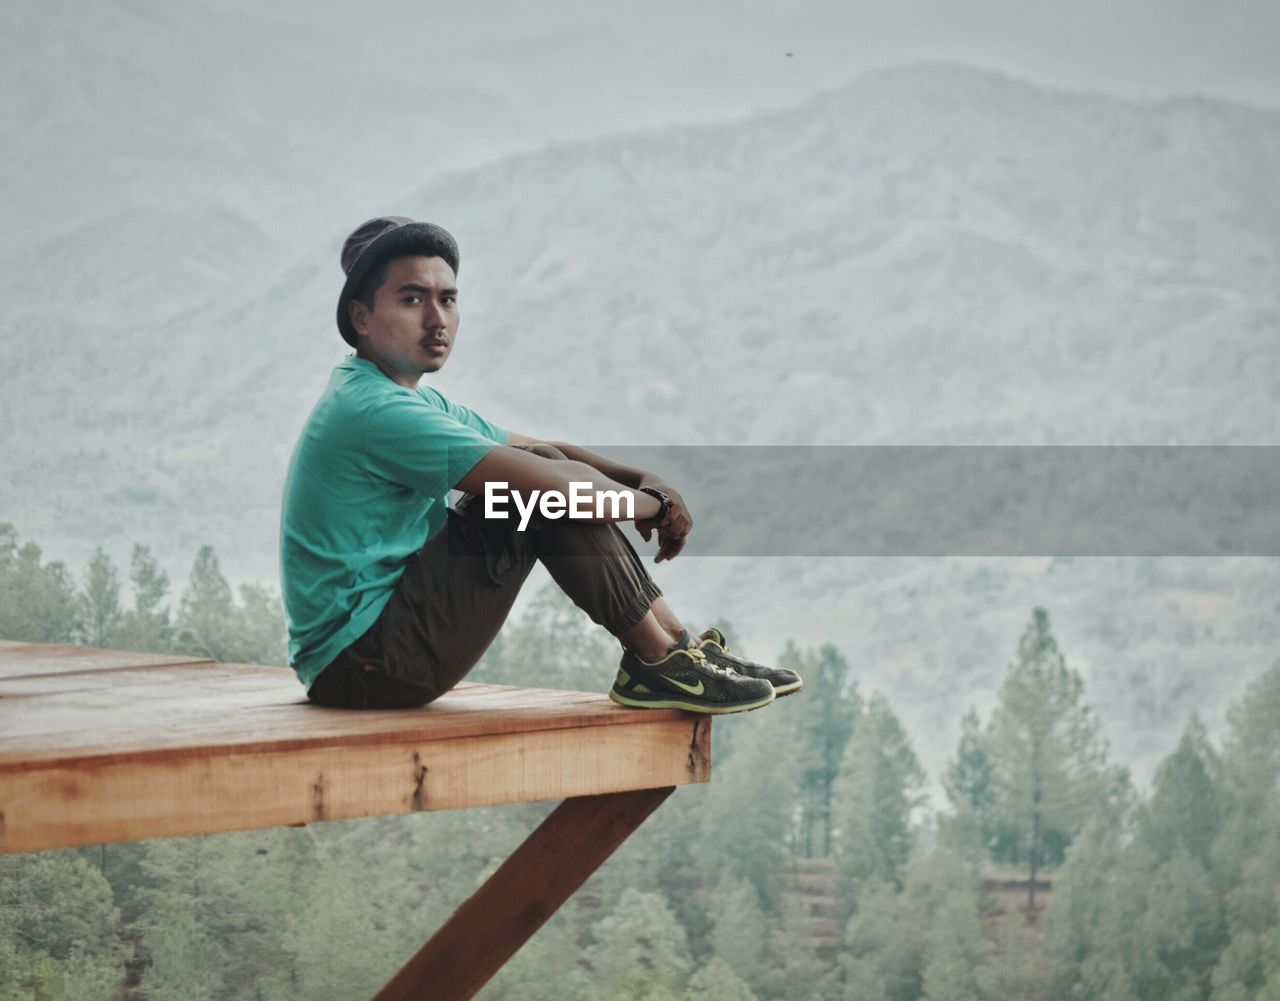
367, 293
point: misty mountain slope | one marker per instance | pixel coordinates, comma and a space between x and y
931, 255
912, 279
934, 254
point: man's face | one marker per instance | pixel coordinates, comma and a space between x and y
411, 328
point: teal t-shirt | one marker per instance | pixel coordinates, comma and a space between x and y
368, 484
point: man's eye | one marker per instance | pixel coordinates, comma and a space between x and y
411, 300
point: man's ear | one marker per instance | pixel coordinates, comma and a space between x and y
358, 314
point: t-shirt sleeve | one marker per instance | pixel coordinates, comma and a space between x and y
469, 418
411, 442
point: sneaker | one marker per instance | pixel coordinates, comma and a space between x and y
686, 679
783, 679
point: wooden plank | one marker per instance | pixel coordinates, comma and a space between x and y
54, 804
40, 659
518, 899
167, 712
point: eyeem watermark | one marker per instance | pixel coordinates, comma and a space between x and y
616, 505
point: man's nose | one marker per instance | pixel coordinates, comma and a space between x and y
433, 316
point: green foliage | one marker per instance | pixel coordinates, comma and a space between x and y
1173, 900
57, 929
879, 787
98, 605
37, 600
761, 770
1245, 857
956, 959
1079, 922
900, 929
146, 626
552, 645
1188, 906
883, 951
1185, 807
211, 624
538, 971
797, 970
637, 948
718, 981
1046, 754
740, 928
970, 784
833, 703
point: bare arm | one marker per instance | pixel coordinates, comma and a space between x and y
616, 471
671, 530
526, 472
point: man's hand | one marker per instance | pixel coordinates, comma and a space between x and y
672, 529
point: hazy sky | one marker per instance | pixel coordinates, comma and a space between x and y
1218, 47
273, 111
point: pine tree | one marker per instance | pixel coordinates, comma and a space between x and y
98, 605
753, 772
1079, 927
1044, 746
822, 739
211, 624
205, 620
970, 785
1250, 770
259, 631
57, 929
879, 787
718, 981
740, 930
798, 969
185, 957
146, 626
956, 961
1185, 807
1246, 853
637, 947
37, 600
883, 952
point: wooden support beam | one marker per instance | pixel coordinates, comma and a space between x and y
518, 899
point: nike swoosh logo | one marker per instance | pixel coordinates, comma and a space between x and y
691, 689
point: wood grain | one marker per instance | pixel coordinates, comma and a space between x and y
115, 753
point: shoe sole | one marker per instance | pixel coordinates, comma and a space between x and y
674, 702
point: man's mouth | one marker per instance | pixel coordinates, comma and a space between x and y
435, 345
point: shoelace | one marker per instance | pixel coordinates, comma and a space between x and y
710, 665
724, 652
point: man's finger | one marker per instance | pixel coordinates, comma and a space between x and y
670, 549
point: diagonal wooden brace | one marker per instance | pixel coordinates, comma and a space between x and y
517, 900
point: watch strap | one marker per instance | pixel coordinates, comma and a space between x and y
663, 499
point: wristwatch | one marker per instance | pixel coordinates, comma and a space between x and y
663, 499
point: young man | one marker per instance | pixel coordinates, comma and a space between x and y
391, 595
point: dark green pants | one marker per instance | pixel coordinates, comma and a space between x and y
458, 589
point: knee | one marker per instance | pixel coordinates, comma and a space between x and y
544, 450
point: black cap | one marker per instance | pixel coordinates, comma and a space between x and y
378, 239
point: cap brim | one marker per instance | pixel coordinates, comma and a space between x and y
412, 238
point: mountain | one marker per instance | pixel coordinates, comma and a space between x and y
931, 255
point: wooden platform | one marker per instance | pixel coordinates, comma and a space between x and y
99, 746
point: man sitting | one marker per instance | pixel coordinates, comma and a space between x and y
391, 595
